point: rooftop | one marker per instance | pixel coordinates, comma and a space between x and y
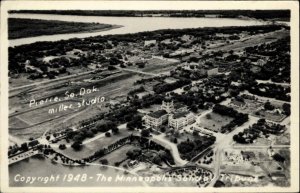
180, 114
179, 105
158, 114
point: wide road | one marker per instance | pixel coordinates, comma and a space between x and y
224, 141
171, 146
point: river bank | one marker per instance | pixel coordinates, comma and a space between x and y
130, 25
23, 28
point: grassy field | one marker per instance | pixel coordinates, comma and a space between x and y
215, 122
118, 155
90, 148
155, 65
42, 114
21, 28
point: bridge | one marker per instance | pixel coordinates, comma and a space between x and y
24, 155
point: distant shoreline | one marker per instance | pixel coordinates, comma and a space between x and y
52, 27
257, 14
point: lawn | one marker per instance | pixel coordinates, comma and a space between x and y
118, 155
214, 121
90, 148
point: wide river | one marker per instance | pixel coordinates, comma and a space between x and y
130, 25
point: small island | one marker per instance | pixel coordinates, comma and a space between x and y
22, 28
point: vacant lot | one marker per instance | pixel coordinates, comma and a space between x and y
277, 117
249, 106
235, 180
283, 139
214, 121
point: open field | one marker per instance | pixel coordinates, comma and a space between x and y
236, 180
118, 155
182, 137
256, 108
284, 139
108, 88
90, 148
257, 142
270, 116
42, 114
21, 28
34, 131
255, 40
16, 122
215, 122
156, 65
245, 169
249, 106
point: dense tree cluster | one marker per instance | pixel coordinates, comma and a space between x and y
88, 132
258, 14
239, 118
271, 90
165, 87
257, 130
189, 149
19, 28
137, 90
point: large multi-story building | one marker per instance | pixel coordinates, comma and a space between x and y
177, 115
156, 118
181, 119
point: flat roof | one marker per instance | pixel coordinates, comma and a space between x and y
180, 114
158, 114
